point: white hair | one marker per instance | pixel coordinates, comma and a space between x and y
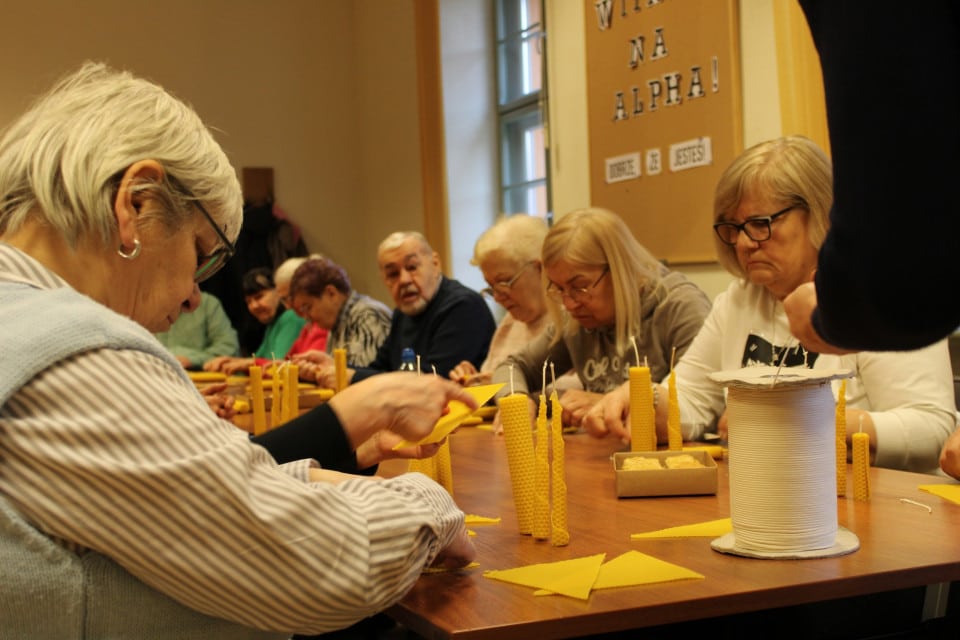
64, 158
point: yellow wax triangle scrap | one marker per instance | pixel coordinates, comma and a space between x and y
472, 565
711, 528
633, 568
471, 518
950, 492
458, 412
572, 578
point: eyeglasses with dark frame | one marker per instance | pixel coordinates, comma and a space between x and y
209, 264
577, 294
757, 229
504, 286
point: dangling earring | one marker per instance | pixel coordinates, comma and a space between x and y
133, 254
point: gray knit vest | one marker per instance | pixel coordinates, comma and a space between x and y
46, 590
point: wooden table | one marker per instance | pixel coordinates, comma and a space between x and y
902, 546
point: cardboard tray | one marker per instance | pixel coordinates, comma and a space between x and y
665, 482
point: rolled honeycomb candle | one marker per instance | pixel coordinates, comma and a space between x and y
559, 533
541, 517
841, 422
643, 434
291, 402
515, 416
426, 466
256, 400
861, 466
674, 434
443, 468
340, 368
276, 399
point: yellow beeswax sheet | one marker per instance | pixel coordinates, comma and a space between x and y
949, 492
207, 376
458, 411
634, 568
471, 518
709, 529
579, 577
472, 565
486, 412
572, 578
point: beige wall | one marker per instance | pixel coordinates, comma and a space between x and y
322, 91
325, 93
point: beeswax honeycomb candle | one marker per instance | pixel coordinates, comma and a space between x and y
291, 400
256, 400
276, 397
643, 433
861, 466
841, 422
515, 415
541, 515
559, 533
340, 368
674, 434
426, 466
443, 469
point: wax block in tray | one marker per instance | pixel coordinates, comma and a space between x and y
665, 481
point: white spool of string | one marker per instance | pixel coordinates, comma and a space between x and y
782, 461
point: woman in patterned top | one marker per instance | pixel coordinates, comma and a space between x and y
320, 292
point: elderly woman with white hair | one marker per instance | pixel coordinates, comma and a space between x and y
771, 216
127, 508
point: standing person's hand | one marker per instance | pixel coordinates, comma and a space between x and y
799, 306
950, 455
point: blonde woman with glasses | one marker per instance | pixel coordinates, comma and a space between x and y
771, 216
605, 294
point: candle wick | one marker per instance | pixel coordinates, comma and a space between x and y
673, 355
553, 377
511, 380
418, 364
636, 353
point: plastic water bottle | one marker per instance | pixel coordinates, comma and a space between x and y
408, 360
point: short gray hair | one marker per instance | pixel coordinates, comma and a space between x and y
64, 158
517, 238
397, 238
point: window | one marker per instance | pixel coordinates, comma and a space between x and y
520, 101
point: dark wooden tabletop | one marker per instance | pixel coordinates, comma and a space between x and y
902, 545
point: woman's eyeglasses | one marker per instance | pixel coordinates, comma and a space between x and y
757, 229
577, 294
209, 264
504, 286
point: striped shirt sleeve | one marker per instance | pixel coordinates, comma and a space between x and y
185, 502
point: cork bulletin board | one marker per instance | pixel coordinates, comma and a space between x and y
663, 100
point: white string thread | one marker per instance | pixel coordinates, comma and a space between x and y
782, 468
